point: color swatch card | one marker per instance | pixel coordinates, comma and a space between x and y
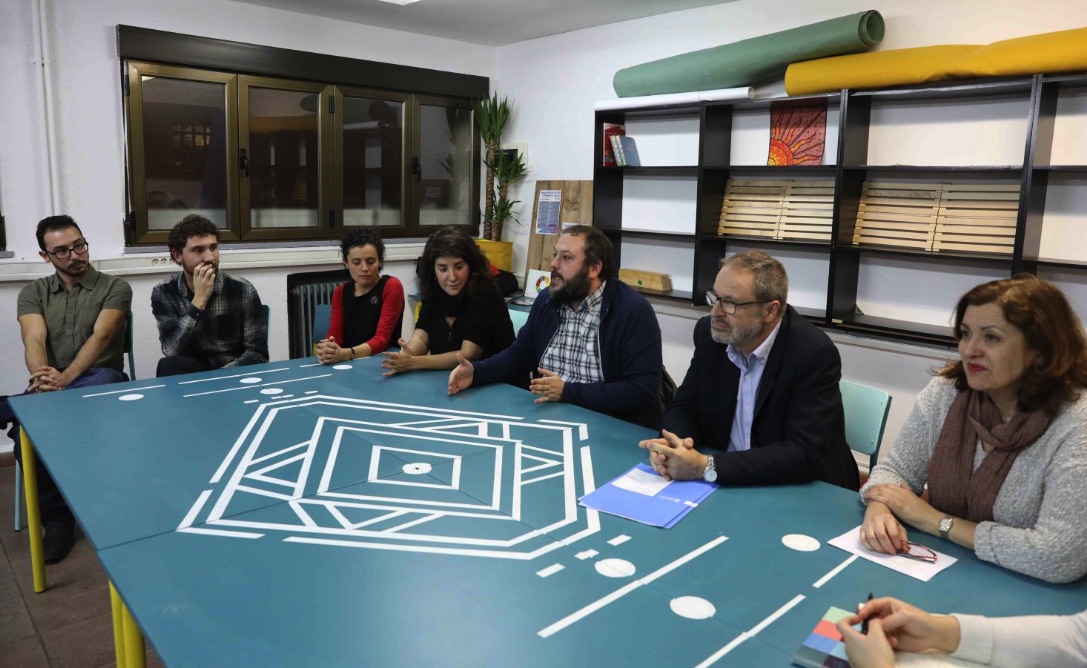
824, 647
642, 495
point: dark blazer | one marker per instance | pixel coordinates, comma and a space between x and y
798, 433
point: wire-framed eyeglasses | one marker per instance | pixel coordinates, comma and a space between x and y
727, 305
918, 552
79, 248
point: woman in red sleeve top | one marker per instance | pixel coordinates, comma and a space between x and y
368, 310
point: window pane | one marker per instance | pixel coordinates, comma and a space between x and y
373, 161
445, 147
283, 158
184, 126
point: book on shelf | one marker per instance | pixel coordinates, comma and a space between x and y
611, 130
617, 151
630, 152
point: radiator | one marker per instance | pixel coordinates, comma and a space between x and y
302, 299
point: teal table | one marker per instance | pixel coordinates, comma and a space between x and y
302, 515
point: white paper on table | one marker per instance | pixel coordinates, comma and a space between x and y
640, 482
850, 541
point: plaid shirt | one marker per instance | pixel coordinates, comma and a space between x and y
229, 332
574, 351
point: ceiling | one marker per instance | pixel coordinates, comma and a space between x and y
487, 22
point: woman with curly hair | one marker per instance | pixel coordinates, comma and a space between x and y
462, 312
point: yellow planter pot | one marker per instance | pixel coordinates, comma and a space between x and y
500, 253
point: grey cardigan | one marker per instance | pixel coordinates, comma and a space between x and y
1039, 526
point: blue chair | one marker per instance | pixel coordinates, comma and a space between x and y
866, 410
322, 319
127, 352
519, 319
267, 310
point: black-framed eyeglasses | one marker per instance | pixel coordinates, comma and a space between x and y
918, 552
727, 305
79, 248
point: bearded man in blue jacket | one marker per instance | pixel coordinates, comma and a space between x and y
590, 340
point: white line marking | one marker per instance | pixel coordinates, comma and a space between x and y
623, 591
546, 477
131, 389
713, 658
837, 569
195, 510
587, 554
777, 613
550, 570
250, 387
619, 540
252, 401
516, 556
295, 380
421, 520
312, 392
217, 532
237, 375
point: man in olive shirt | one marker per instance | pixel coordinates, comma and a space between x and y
72, 325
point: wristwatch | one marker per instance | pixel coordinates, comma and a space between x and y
710, 474
945, 526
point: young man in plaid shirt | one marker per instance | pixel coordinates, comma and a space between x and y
207, 319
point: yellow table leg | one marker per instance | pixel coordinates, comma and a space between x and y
33, 512
133, 641
117, 606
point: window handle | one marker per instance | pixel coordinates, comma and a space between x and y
416, 168
243, 162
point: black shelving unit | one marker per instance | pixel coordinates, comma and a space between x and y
1039, 95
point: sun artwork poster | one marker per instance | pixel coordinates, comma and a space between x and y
797, 133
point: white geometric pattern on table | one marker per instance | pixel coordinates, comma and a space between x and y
357, 473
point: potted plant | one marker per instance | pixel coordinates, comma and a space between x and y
503, 168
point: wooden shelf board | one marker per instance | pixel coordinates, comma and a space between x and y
940, 334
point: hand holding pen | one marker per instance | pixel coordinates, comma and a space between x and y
895, 625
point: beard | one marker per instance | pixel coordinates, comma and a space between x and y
737, 334
574, 290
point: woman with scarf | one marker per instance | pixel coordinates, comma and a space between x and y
999, 437
462, 312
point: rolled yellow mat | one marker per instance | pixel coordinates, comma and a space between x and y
1062, 51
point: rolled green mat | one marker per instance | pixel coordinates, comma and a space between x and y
751, 60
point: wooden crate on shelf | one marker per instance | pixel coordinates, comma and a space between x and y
646, 280
807, 211
978, 217
898, 214
779, 209
751, 207
938, 216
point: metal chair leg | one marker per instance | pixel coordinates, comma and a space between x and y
18, 497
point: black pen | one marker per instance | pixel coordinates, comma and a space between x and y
864, 624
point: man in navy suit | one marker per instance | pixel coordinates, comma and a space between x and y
760, 404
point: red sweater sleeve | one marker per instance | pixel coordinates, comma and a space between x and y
335, 321
392, 307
